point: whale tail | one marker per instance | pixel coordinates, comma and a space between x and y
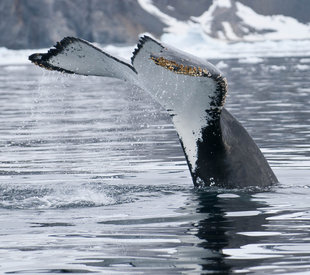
77, 56
217, 148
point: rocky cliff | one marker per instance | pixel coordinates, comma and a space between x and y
39, 23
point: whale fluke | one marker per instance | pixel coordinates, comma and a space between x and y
77, 56
218, 150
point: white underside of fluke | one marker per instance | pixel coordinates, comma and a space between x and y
183, 92
83, 58
185, 97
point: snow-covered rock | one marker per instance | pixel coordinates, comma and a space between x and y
230, 20
117, 22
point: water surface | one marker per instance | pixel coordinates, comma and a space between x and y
93, 179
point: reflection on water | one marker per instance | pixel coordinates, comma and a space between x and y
93, 179
272, 102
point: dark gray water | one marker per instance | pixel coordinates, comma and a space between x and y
93, 179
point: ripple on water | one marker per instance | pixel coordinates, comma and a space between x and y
93, 179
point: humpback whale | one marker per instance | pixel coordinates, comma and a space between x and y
217, 148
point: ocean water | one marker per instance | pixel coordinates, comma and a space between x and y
93, 178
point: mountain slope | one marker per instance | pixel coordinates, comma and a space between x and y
40, 23
233, 21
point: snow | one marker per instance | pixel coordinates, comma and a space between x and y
224, 3
251, 60
221, 65
201, 45
288, 37
174, 25
282, 27
15, 57
206, 18
152, 9
123, 52
197, 44
229, 31
273, 27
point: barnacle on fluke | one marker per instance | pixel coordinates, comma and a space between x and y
218, 101
180, 68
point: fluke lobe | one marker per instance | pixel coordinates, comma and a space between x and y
218, 150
